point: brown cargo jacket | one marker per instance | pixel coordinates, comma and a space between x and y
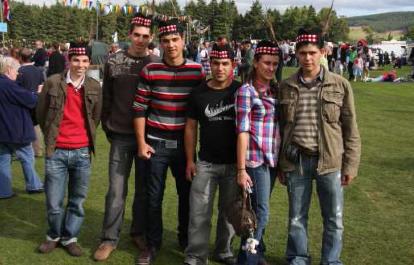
51, 103
339, 140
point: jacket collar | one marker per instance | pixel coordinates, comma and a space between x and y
328, 78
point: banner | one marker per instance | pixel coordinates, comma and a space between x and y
6, 10
127, 9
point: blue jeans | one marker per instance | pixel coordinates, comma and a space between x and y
122, 155
24, 152
156, 169
330, 193
261, 179
66, 169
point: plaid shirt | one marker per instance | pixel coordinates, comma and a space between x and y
258, 116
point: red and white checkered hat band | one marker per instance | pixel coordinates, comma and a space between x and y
308, 38
267, 50
141, 21
220, 54
169, 28
77, 51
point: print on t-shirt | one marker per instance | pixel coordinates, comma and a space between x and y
214, 110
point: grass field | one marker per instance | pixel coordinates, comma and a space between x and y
379, 208
357, 33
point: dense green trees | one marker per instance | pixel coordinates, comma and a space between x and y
61, 23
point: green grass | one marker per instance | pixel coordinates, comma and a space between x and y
378, 205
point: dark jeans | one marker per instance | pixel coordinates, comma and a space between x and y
122, 155
173, 157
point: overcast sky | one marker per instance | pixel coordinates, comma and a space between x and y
342, 7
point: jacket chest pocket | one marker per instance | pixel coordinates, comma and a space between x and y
55, 100
332, 103
288, 109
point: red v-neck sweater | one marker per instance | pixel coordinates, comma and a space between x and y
72, 130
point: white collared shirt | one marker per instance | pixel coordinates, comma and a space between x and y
69, 81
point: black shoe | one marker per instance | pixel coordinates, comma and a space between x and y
11, 196
41, 190
227, 260
146, 257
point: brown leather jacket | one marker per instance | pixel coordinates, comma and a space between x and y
339, 140
49, 110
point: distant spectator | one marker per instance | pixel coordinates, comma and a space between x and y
247, 59
114, 48
30, 78
222, 41
192, 50
56, 61
387, 58
390, 76
205, 58
411, 58
397, 63
40, 56
357, 67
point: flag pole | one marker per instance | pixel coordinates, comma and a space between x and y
2, 20
97, 20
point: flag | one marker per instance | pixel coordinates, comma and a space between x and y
6, 10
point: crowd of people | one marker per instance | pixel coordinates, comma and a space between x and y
154, 112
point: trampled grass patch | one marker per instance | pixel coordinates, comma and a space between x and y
378, 206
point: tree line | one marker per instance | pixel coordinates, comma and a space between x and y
62, 23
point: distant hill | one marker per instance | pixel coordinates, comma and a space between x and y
384, 22
357, 33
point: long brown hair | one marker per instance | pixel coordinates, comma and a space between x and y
251, 77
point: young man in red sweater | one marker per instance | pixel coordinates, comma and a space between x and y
68, 112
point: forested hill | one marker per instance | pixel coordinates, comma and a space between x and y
385, 21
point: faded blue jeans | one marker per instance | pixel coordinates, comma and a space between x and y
261, 178
123, 153
66, 169
24, 152
330, 193
208, 178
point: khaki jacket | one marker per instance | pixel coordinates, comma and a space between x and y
51, 103
339, 140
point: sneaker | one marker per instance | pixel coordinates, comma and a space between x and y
47, 246
103, 251
227, 260
73, 249
146, 257
140, 242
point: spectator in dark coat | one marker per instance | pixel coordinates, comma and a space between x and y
16, 132
56, 61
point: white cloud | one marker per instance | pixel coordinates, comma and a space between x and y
342, 7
